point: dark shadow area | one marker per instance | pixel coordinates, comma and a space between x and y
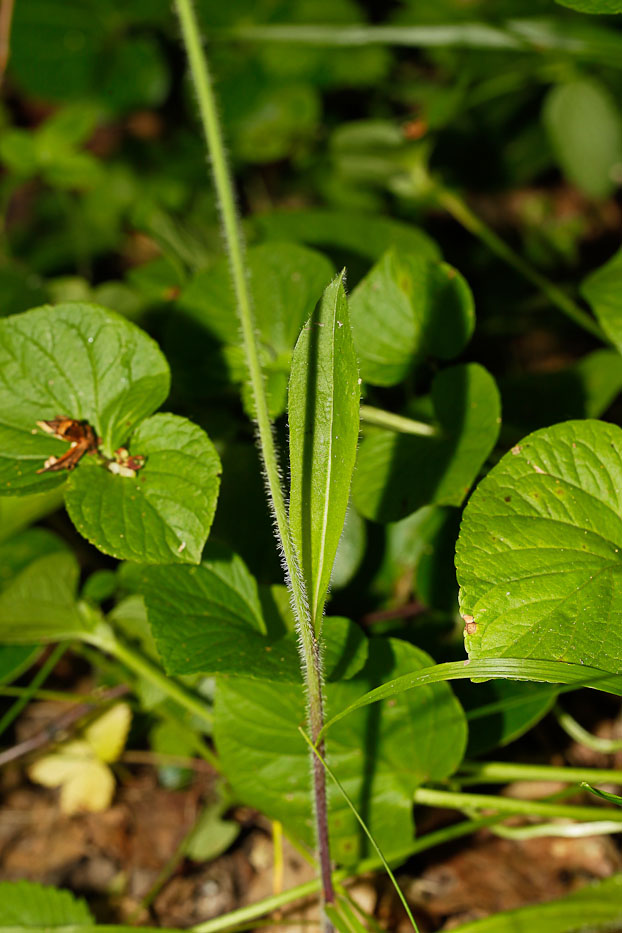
418, 464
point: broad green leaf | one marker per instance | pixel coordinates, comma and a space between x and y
345, 648
16, 512
38, 583
24, 548
286, 282
585, 128
209, 619
369, 235
40, 603
397, 474
165, 511
323, 411
76, 360
420, 737
33, 906
539, 557
406, 307
593, 6
548, 672
603, 290
593, 907
15, 660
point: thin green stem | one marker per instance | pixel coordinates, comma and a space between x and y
559, 830
461, 212
492, 772
40, 677
392, 422
106, 640
511, 805
223, 184
576, 731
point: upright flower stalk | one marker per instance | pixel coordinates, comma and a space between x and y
223, 183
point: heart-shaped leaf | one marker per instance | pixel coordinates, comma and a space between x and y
539, 556
73, 360
165, 511
406, 307
398, 473
83, 366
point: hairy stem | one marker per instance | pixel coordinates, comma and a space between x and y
223, 184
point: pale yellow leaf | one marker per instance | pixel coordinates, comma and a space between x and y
90, 787
53, 770
107, 734
78, 767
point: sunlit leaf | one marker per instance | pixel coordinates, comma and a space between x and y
323, 414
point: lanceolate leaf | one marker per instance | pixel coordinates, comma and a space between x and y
323, 409
547, 672
408, 306
165, 511
398, 473
539, 557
